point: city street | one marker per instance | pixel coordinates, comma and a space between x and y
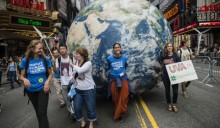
200, 109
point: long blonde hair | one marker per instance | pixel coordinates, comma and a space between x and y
29, 53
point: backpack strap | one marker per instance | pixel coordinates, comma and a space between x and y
189, 53
26, 66
181, 54
76, 74
45, 65
59, 60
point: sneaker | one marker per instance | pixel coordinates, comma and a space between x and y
62, 105
122, 119
185, 95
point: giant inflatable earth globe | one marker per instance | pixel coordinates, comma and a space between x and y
137, 25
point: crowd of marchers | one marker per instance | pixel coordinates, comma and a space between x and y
74, 84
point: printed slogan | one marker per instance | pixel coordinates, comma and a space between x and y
181, 72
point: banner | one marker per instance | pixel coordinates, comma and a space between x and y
181, 72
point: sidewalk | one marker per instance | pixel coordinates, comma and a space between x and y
4, 79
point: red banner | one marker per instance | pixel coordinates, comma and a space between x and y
209, 24
185, 28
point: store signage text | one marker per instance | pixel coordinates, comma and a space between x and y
172, 12
28, 21
34, 4
28, 6
209, 13
211, 7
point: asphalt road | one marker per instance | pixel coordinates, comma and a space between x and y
200, 110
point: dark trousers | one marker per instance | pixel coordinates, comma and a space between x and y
166, 82
40, 103
13, 77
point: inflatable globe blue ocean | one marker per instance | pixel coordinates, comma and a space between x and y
137, 25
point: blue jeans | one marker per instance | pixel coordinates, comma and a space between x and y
87, 97
13, 77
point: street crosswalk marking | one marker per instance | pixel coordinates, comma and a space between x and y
209, 85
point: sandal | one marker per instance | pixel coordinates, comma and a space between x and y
185, 95
169, 108
175, 109
83, 126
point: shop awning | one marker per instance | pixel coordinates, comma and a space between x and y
200, 26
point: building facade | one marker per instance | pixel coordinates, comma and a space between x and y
17, 18
188, 18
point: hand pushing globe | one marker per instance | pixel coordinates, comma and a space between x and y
138, 26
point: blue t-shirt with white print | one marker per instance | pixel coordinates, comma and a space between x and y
117, 65
36, 73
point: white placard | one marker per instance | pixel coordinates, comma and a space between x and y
181, 72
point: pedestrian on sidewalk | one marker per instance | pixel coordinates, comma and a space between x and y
13, 72
66, 72
185, 53
85, 87
36, 75
169, 56
118, 82
56, 78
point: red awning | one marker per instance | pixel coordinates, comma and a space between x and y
185, 29
201, 25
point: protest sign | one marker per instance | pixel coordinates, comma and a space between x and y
181, 72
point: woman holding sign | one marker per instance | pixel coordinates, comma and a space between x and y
169, 56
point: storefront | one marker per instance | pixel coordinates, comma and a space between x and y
16, 25
207, 23
196, 21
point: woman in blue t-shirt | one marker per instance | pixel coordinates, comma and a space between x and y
36, 75
118, 82
169, 56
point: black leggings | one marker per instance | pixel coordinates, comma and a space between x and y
40, 103
166, 82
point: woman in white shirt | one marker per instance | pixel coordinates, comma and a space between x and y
85, 87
